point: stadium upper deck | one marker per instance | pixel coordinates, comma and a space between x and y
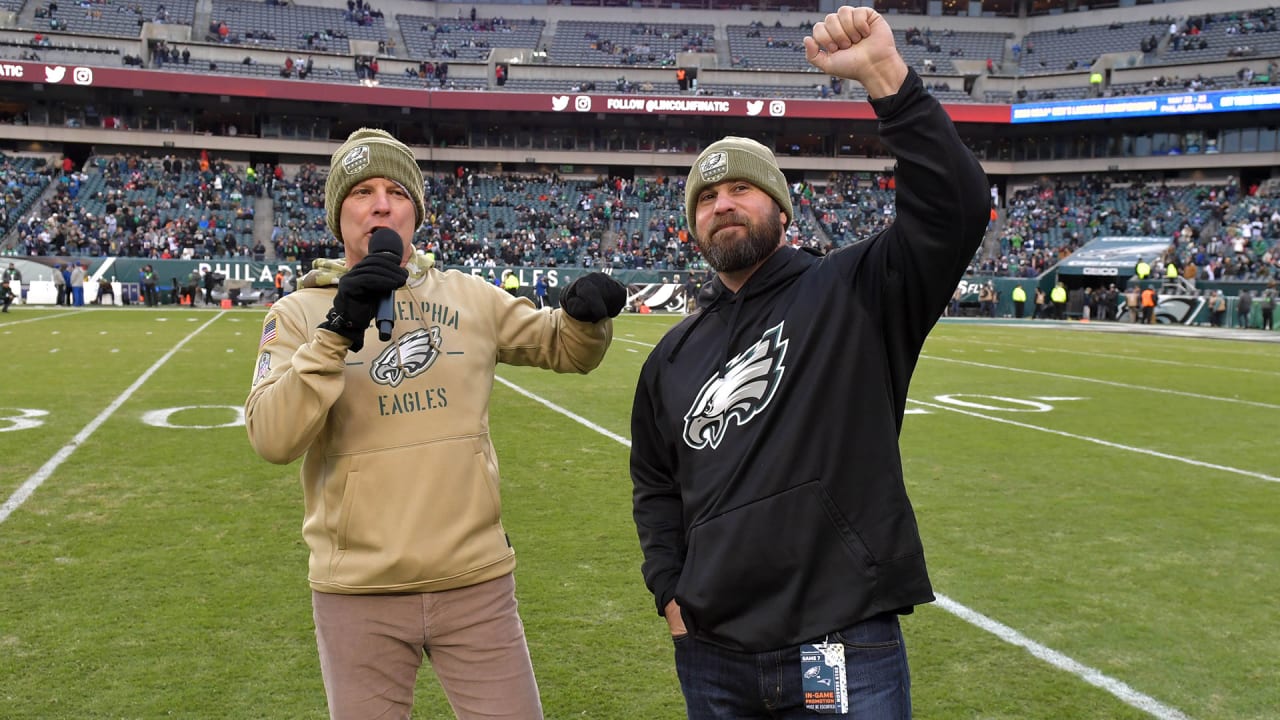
283, 82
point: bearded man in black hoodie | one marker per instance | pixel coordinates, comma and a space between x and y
778, 539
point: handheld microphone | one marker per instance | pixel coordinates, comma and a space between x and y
386, 240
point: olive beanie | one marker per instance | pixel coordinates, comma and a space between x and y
736, 158
371, 153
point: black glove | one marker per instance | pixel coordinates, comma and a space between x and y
359, 292
593, 297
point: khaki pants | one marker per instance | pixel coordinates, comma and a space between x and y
371, 647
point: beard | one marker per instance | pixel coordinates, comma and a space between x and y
732, 254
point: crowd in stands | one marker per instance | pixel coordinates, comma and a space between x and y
21, 182
126, 205
168, 207
1216, 231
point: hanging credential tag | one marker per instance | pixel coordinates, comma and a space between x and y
826, 689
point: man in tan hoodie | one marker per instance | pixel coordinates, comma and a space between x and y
400, 478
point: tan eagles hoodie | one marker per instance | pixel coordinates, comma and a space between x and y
400, 479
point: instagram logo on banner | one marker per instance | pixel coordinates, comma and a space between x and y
82, 76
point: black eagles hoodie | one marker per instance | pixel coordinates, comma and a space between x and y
768, 490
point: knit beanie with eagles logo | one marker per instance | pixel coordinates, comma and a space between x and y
371, 153
735, 158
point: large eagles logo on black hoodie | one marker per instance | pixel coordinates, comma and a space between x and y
739, 392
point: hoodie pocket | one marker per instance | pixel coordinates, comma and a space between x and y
771, 558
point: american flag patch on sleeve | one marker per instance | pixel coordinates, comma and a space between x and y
268, 332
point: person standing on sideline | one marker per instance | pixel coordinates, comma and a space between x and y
6, 294
149, 280
1041, 311
1019, 298
511, 283
987, 300
1268, 305
14, 276
66, 284
1244, 306
540, 291
1217, 308
400, 478
1148, 306
76, 284
778, 538
209, 281
1058, 295
59, 285
192, 286
1133, 302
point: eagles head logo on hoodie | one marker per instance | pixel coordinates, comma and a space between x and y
413, 354
739, 392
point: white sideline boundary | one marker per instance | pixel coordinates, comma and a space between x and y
33, 483
1116, 688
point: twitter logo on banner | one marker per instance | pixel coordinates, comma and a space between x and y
54, 74
559, 102
754, 107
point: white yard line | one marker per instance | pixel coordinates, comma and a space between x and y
1126, 694
1120, 690
34, 482
571, 415
1110, 383
16, 317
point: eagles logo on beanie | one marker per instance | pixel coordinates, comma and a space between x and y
735, 158
370, 153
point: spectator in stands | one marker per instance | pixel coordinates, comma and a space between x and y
756, 341
425, 563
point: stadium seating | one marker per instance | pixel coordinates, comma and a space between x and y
491, 217
294, 27
640, 44
22, 180
456, 39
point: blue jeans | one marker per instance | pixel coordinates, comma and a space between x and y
721, 684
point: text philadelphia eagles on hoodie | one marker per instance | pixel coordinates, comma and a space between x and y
768, 489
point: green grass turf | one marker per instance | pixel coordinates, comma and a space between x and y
158, 568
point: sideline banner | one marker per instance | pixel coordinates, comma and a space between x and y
261, 274
656, 291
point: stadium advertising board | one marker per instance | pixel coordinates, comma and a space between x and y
574, 103
1197, 103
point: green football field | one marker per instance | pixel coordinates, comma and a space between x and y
1099, 511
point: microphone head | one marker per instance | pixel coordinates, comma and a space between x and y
386, 240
